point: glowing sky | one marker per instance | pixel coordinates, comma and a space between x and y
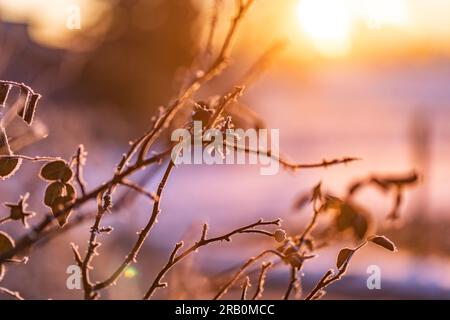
329, 27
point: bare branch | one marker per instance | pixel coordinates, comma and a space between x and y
212, 29
80, 159
33, 159
262, 280
131, 257
245, 287
331, 277
215, 69
127, 183
293, 283
175, 257
15, 294
292, 165
91, 251
242, 269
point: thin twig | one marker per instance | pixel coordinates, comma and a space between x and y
33, 159
14, 294
242, 269
91, 251
77, 255
212, 29
262, 280
127, 183
131, 257
226, 100
80, 162
292, 165
245, 287
175, 257
5, 219
292, 283
331, 277
312, 223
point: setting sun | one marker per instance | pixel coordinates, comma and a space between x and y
329, 23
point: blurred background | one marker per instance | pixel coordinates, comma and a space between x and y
368, 78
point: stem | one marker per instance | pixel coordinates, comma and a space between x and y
245, 287
242, 269
131, 257
93, 245
261, 280
175, 257
292, 283
14, 294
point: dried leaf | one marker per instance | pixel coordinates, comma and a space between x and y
354, 187
346, 216
317, 192
60, 204
4, 144
2, 272
31, 108
203, 115
4, 91
301, 201
18, 211
57, 170
53, 191
70, 191
394, 214
9, 166
6, 242
384, 242
332, 202
355, 218
360, 226
344, 257
23, 100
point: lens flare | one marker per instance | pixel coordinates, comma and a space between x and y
130, 273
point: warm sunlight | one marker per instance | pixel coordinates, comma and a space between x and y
385, 12
329, 23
